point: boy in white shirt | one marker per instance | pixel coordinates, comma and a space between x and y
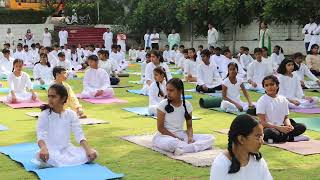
155, 37
6, 64
27, 56
246, 59
133, 54
228, 59
53, 55
166, 54
19, 52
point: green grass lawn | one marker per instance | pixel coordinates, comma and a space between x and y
140, 163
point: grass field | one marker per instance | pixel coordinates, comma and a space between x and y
140, 163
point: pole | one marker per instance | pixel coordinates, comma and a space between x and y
98, 9
191, 27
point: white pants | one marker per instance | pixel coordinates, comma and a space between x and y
22, 97
305, 104
229, 107
145, 89
169, 143
152, 110
107, 93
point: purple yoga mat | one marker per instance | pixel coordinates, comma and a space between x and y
105, 101
307, 111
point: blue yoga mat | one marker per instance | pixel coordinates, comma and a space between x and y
3, 128
140, 92
4, 90
143, 111
41, 87
24, 153
247, 86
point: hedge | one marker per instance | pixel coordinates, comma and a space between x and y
22, 16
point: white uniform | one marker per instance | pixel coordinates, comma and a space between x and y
18, 55
5, 67
246, 60
55, 130
53, 58
208, 75
107, 37
76, 60
308, 28
256, 72
94, 80
233, 93
154, 98
28, 59
44, 72
218, 61
172, 56
133, 55
47, 38
147, 40
108, 65
166, 56
63, 37
142, 55
224, 68
305, 71
315, 30
150, 76
271, 66
252, 171
190, 67
20, 85
290, 88
213, 37
277, 59
9, 39
174, 123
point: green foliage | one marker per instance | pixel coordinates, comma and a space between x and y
22, 16
82, 9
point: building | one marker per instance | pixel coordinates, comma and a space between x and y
26, 4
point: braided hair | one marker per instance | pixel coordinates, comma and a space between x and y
241, 125
61, 91
161, 71
178, 84
15, 62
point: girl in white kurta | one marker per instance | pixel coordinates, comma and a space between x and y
55, 125
157, 91
20, 85
5, 64
290, 87
96, 81
171, 115
47, 38
190, 66
208, 77
42, 71
277, 56
257, 70
231, 87
156, 61
242, 160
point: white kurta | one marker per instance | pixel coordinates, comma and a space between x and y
147, 40
257, 71
154, 98
252, 171
213, 37
277, 58
133, 55
245, 60
208, 75
55, 130
20, 85
290, 88
108, 65
174, 123
305, 71
5, 67
53, 58
190, 68
9, 39
44, 72
63, 37
224, 67
47, 38
107, 37
18, 55
315, 37
76, 60
94, 80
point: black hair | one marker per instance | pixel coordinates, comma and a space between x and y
313, 46
194, 51
61, 91
282, 67
175, 45
246, 49
148, 48
73, 46
114, 46
5, 51
271, 77
158, 55
242, 125
264, 48
55, 46
181, 46
279, 47
297, 55
242, 47
211, 47
226, 50
7, 44
25, 46
200, 46
57, 70
161, 71
206, 52
166, 45
93, 58
119, 46
19, 45
178, 84
232, 64
15, 62
148, 54
217, 49
33, 45
105, 52
61, 54
44, 54
256, 50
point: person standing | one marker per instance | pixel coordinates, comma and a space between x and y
121, 40
9, 37
47, 38
213, 36
155, 37
147, 39
63, 37
28, 38
265, 37
307, 32
173, 38
107, 37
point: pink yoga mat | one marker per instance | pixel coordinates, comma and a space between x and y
307, 111
105, 101
301, 147
25, 105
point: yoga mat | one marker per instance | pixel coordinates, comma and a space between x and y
248, 86
199, 159
123, 75
307, 111
92, 121
222, 131
105, 101
120, 86
24, 105
221, 110
311, 85
217, 93
24, 153
311, 123
143, 111
3, 128
135, 73
4, 90
140, 92
135, 82
302, 147
33, 114
41, 87
210, 102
